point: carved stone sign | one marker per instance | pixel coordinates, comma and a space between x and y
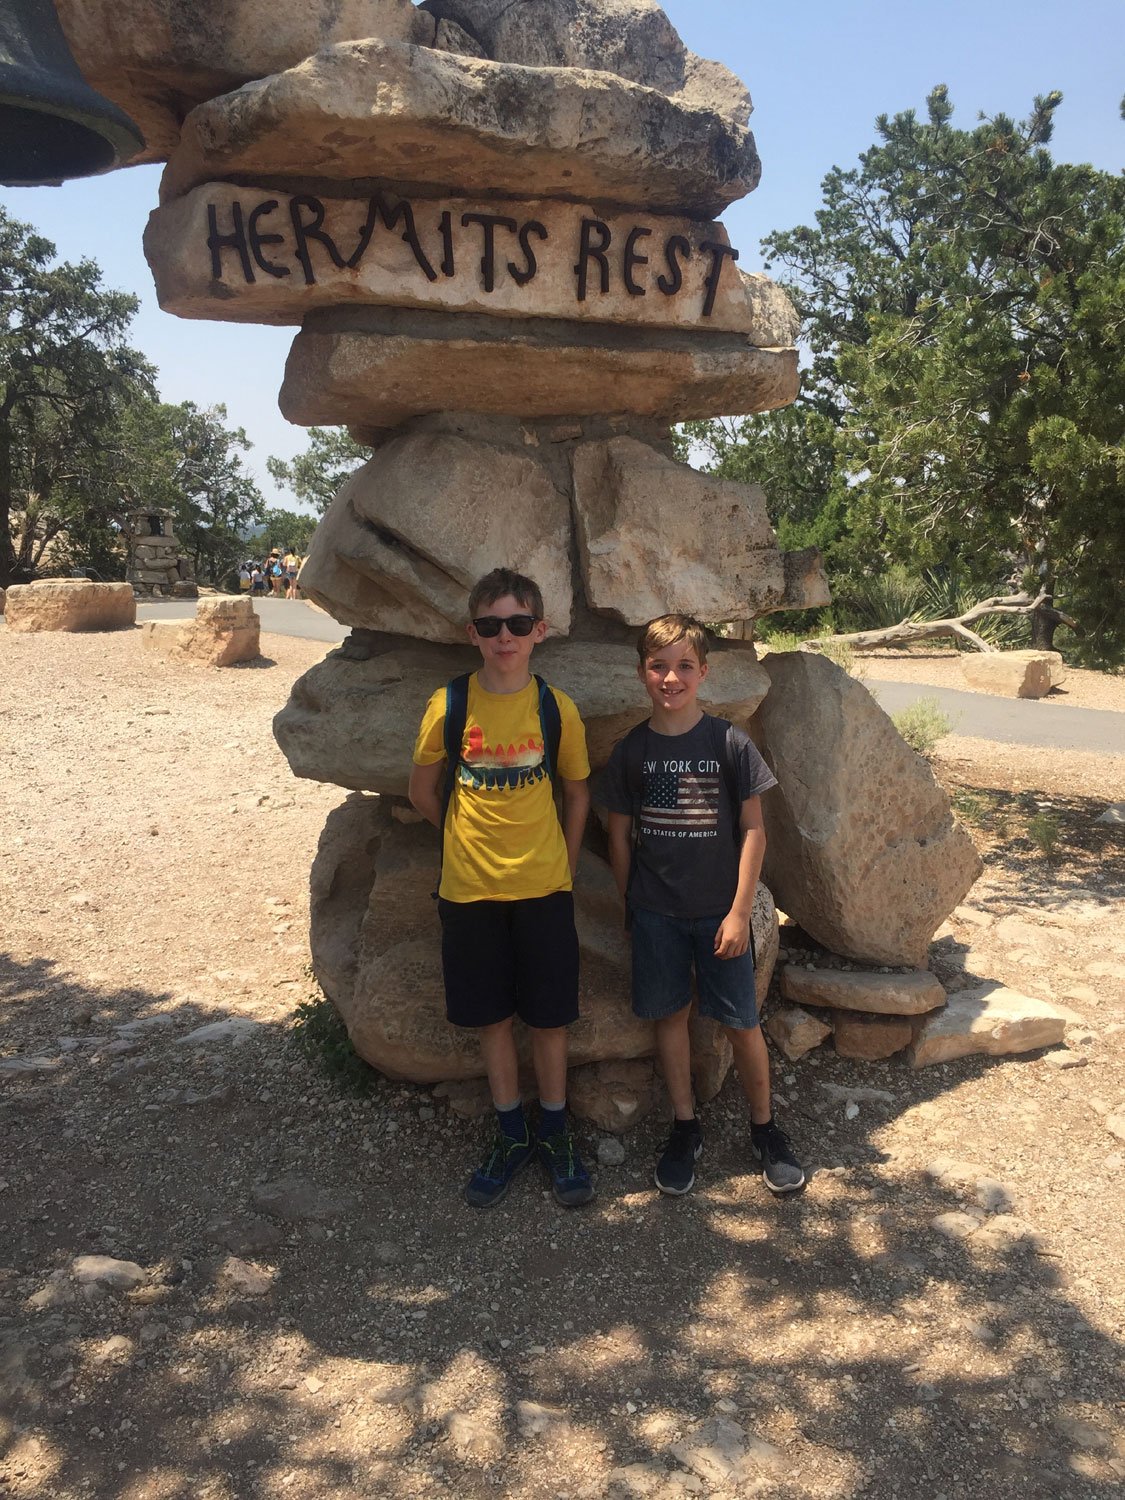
253, 254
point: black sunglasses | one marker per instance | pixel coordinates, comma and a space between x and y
487, 626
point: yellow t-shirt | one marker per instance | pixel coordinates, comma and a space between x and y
503, 839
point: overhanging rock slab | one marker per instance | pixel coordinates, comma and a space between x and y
381, 111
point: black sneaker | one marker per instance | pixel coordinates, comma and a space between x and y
494, 1176
675, 1170
781, 1171
570, 1181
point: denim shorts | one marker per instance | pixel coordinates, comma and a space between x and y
664, 951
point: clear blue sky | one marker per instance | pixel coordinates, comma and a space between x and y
819, 73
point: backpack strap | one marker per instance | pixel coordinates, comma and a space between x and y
550, 726
453, 735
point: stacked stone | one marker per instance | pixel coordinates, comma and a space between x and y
155, 558
495, 226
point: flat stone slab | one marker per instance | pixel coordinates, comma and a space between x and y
989, 1019
230, 1030
297, 1200
252, 254
863, 990
70, 604
372, 368
394, 112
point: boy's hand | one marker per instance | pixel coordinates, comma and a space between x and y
733, 937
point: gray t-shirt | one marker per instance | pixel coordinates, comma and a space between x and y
686, 858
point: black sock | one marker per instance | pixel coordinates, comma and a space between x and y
512, 1122
692, 1124
757, 1131
552, 1121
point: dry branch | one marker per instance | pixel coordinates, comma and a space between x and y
907, 631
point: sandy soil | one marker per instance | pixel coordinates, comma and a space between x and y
1081, 688
315, 1313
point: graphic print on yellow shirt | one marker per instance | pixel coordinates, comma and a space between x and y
503, 839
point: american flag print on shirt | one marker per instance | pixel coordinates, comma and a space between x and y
681, 804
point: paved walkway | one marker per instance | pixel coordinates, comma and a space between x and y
1014, 721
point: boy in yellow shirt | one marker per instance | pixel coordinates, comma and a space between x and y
509, 945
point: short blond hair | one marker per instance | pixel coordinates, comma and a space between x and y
667, 629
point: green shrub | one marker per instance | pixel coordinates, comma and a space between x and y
322, 1036
922, 725
1043, 831
883, 598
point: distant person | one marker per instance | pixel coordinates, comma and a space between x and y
257, 582
244, 578
686, 843
292, 565
276, 574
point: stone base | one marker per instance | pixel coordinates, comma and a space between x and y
70, 604
376, 952
1013, 674
223, 633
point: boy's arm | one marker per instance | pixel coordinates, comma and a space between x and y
733, 936
423, 791
575, 811
620, 849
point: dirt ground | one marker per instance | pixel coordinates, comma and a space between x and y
313, 1313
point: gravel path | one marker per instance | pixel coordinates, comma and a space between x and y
301, 1307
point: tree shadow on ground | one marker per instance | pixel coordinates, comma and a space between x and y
398, 1343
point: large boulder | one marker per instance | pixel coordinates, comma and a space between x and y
1013, 674
655, 536
411, 532
223, 633
382, 110
529, 254
863, 850
354, 722
989, 1019
632, 38
390, 993
70, 604
158, 58
372, 368
377, 953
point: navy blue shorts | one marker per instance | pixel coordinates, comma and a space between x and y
666, 949
510, 958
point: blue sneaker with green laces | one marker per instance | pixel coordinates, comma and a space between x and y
570, 1181
492, 1179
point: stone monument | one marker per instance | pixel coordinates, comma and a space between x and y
157, 567
494, 224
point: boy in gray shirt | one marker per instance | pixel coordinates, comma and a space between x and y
686, 844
